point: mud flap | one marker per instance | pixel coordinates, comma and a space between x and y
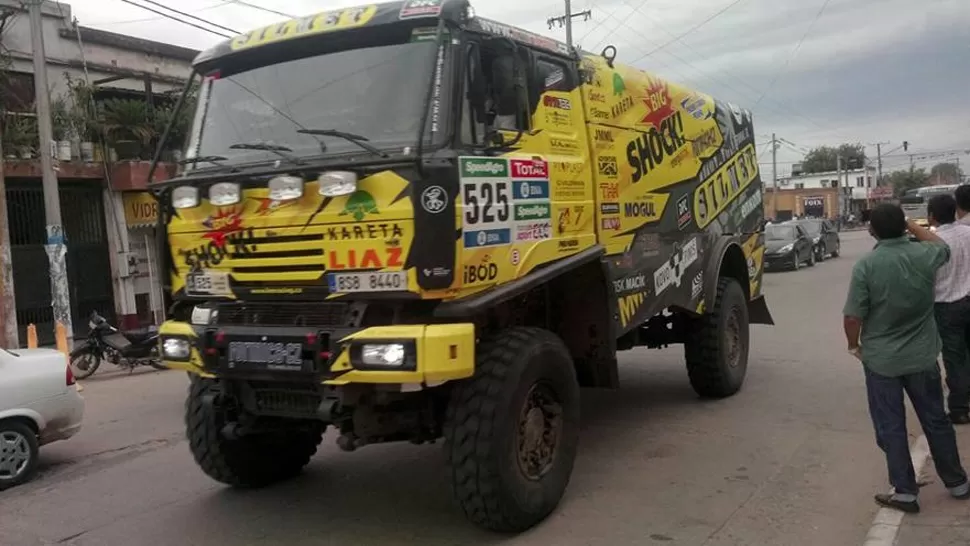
758, 312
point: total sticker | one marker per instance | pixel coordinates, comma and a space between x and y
514, 256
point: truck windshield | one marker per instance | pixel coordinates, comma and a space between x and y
377, 93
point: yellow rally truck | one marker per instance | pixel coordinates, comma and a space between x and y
404, 222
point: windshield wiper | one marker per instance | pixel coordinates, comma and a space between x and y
214, 159
275, 148
359, 140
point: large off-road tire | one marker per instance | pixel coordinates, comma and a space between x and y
250, 461
512, 430
717, 351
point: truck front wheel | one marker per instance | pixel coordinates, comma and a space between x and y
248, 461
512, 430
717, 350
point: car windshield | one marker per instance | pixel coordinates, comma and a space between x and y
780, 233
812, 228
377, 93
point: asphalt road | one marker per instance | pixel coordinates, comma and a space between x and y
790, 460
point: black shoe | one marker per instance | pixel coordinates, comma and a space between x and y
960, 418
910, 507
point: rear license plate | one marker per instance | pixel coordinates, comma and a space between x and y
375, 281
208, 283
269, 355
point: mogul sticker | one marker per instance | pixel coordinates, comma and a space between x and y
645, 208
713, 196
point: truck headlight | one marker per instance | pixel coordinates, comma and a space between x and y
174, 348
285, 188
204, 316
185, 197
224, 193
384, 355
337, 183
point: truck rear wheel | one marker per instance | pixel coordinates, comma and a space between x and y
717, 351
512, 430
249, 461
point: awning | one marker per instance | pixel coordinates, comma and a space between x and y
141, 210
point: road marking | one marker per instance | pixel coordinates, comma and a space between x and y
885, 526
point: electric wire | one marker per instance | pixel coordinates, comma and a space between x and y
174, 18
692, 29
190, 16
794, 52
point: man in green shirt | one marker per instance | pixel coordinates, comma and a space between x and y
890, 326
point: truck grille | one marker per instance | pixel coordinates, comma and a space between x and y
312, 314
286, 401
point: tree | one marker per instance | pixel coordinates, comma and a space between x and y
901, 181
946, 173
825, 158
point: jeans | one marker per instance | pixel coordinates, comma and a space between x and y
888, 411
953, 322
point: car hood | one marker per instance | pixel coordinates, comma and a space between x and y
775, 246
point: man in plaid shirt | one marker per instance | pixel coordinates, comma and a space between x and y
952, 307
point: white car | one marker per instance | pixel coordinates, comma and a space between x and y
39, 404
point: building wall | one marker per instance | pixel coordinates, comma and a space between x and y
793, 201
857, 179
65, 54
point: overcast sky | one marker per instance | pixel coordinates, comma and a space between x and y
863, 71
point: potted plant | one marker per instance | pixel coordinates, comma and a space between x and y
61, 125
128, 126
83, 117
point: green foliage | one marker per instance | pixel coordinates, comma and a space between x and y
20, 134
946, 173
81, 112
825, 158
902, 181
127, 119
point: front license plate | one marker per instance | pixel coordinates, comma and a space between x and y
377, 281
208, 282
270, 355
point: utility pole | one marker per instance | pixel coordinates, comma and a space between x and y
56, 246
840, 198
8, 303
774, 175
567, 21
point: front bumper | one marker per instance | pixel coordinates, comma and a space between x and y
441, 352
780, 261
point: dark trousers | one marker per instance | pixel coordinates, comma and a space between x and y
888, 411
953, 322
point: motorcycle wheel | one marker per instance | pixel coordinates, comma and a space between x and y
84, 362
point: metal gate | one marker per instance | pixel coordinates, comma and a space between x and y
88, 262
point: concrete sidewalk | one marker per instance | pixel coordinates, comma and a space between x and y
943, 521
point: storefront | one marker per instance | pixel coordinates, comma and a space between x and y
141, 211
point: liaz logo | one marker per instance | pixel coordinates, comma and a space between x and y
604, 135
607, 165
531, 212
484, 167
557, 102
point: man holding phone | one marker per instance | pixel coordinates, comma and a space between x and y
890, 327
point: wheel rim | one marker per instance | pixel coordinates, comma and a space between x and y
14, 454
539, 431
732, 337
83, 362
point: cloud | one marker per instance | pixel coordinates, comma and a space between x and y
867, 71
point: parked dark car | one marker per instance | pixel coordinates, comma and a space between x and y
787, 246
824, 236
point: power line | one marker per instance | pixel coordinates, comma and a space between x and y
172, 17
261, 8
692, 29
601, 23
190, 16
793, 52
149, 19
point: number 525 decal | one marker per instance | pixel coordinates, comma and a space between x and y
486, 202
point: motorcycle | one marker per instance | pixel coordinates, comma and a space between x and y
123, 349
